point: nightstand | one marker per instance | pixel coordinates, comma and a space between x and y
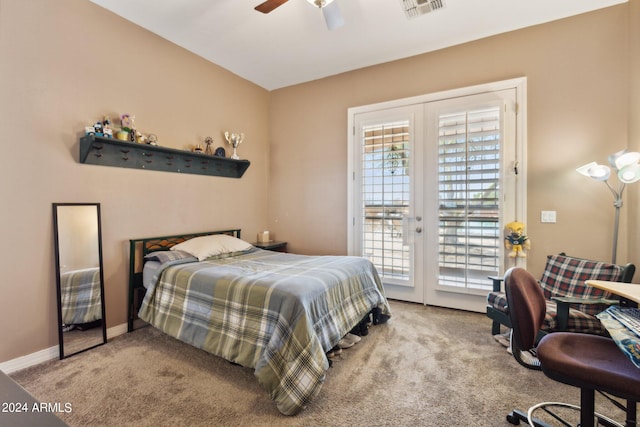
272, 246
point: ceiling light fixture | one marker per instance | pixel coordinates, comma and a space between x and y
320, 3
330, 10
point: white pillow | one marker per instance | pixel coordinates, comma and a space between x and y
207, 246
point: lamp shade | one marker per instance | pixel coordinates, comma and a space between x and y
613, 158
584, 170
627, 159
600, 172
629, 173
595, 171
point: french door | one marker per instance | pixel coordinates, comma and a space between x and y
431, 183
388, 198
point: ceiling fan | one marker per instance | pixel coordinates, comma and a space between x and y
330, 10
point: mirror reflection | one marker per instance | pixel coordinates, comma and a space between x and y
78, 248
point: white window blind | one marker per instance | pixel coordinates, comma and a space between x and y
386, 197
469, 197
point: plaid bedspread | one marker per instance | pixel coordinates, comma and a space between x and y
275, 312
80, 296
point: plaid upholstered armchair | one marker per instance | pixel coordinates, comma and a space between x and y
571, 304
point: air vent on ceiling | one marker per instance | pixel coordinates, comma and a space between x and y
413, 8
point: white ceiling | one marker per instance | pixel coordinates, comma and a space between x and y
292, 44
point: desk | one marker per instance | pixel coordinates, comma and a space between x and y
629, 291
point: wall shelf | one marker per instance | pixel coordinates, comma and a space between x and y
97, 150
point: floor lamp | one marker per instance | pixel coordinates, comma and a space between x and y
627, 167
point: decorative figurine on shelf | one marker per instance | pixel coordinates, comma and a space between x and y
97, 128
106, 127
152, 139
220, 152
197, 149
100, 128
127, 131
234, 139
208, 140
516, 241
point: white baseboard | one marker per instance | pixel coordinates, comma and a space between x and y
50, 353
114, 331
32, 359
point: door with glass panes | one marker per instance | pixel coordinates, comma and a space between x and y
387, 197
432, 184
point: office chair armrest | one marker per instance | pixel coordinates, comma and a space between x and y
497, 283
578, 300
563, 303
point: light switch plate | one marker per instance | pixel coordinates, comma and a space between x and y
548, 216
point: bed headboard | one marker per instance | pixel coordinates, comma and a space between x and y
138, 248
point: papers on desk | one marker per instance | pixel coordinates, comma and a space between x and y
629, 317
626, 340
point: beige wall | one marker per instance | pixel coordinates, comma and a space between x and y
634, 127
63, 65
577, 73
66, 63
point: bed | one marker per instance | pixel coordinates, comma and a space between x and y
80, 296
275, 312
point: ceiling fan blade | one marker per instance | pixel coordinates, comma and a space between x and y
333, 16
269, 5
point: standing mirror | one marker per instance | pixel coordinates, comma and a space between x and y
79, 277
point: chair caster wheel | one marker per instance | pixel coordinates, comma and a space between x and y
513, 420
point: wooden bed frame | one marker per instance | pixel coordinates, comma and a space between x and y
138, 248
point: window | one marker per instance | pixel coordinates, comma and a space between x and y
469, 169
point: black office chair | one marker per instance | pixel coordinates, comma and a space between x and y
589, 362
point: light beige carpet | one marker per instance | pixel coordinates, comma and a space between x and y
427, 366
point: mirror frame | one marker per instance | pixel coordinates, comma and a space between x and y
56, 231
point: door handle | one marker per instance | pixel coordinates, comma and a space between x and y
419, 230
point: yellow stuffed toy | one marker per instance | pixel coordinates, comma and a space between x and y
515, 241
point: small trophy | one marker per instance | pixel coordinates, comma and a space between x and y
234, 139
208, 140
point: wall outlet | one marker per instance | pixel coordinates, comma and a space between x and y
548, 216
